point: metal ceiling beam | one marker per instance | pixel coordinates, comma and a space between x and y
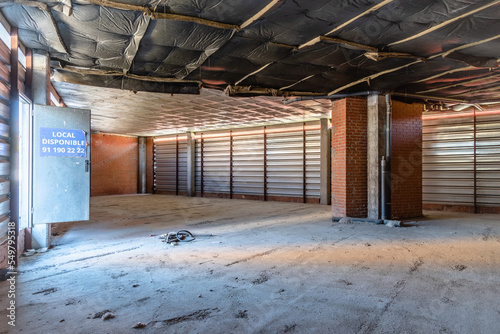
465, 46
428, 97
89, 71
468, 68
376, 75
475, 91
337, 41
254, 72
124, 82
164, 16
253, 90
459, 83
301, 80
372, 9
260, 14
373, 76
445, 23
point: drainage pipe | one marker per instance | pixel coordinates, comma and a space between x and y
332, 97
386, 177
383, 175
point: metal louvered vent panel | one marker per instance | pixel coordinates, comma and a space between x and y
182, 166
170, 165
313, 163
284, 158
248, 164
448, 159
243, 162
165, 165
197, 165
216, 165
488, 159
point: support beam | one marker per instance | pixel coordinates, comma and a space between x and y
445, 23
376, 150
295, 83
341, 26
494, 76
463, 69
442, 54
483, 90
254, 72
325, 162
191, 164
260, 14
142, 166
41, 69
163, 15
41, 233
373, 76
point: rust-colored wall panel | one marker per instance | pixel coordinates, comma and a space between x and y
115, 164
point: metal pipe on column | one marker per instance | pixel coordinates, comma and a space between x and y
386, 164
475, 162
383, 172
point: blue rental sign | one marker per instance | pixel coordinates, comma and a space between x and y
62, 143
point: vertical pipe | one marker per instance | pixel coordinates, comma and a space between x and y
388, 145
475, 163
265, 164
383, 170
14, 137
177, 165
304, 179
201, 164
231, 164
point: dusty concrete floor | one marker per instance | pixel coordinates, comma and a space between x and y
268, 268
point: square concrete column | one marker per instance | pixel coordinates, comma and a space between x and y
377, 109
325, 163
191, 161
41, 233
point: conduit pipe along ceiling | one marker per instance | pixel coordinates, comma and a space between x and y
429, 49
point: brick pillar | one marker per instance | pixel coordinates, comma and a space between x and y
406, 160
349, 158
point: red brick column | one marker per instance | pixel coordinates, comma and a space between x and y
406, 160
349, 158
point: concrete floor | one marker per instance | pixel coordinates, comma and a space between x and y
259, 267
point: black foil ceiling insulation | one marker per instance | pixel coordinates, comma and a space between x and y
428, 48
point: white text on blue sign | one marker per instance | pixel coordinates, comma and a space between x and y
62, 143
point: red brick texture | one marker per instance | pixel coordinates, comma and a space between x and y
115, 164
406, 160
349, 158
